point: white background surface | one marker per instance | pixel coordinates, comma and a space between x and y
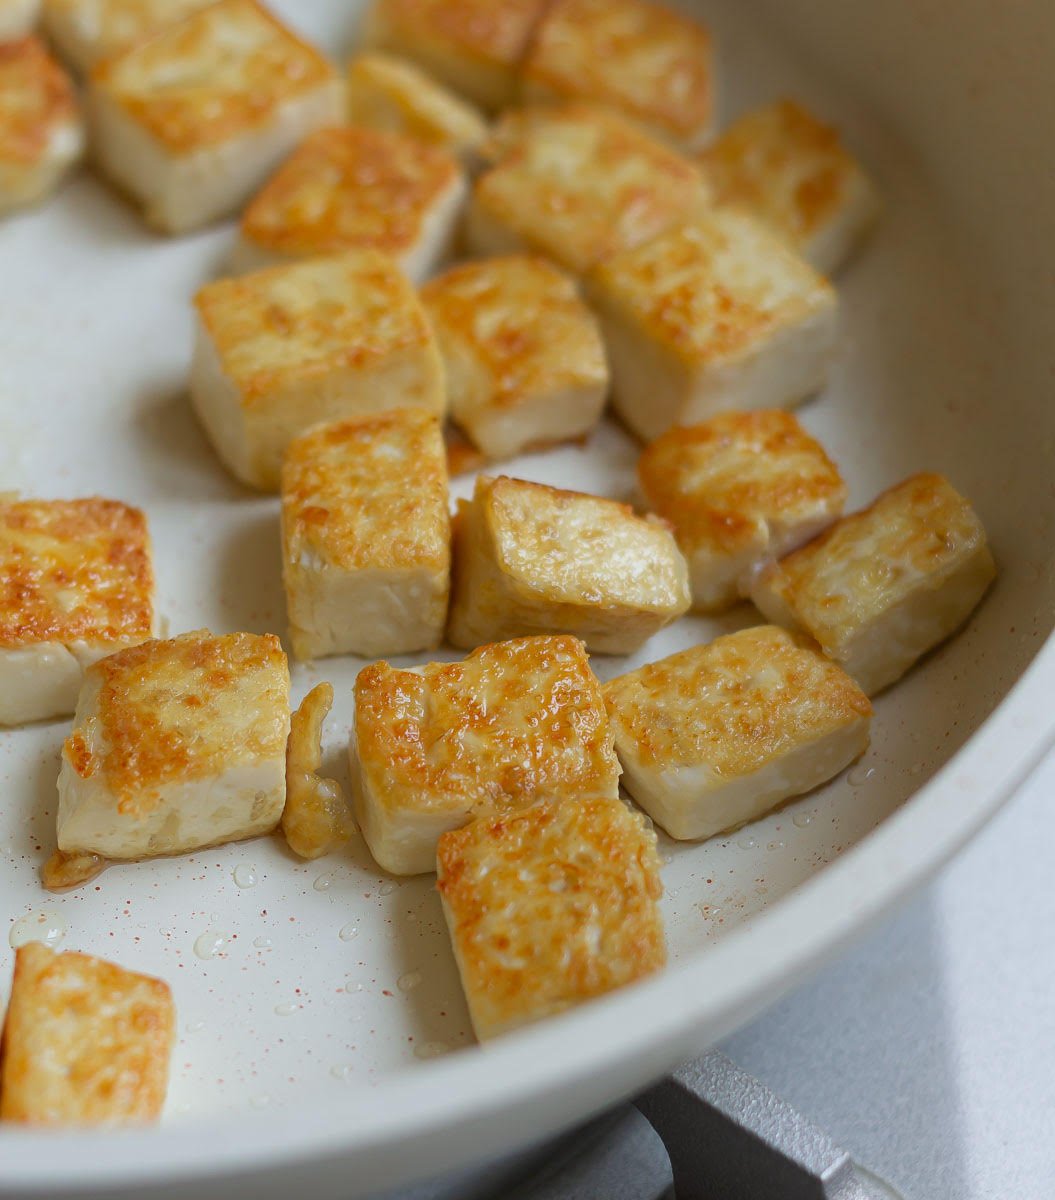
928, 1051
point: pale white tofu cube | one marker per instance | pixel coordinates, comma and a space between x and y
41, 131
176, 745
739, 490
366, 536
522, 354
434, 747
550, 908
85, 1042
18, 18
717, 314
578, 183
286, 348
721, 734
534, 559
190, 122
395, 95
883, 586
355, 188
76, 583
85, 31
473, 46
787, 168
641, 59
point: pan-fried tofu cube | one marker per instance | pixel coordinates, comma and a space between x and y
435, 747
549, 908
283, 349
395, 95
41, 133
192, 120
316, 819
85, 1042
17, 18
76, 583
740, 490
356, 188
784, 166
718, 314
85, 31
578, 183
366, 536
642, 59
720, 734
883, 586
522, 354
176, 745
534, 559
473, 46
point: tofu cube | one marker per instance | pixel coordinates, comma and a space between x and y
286, 348
534, 559
739, 490
721, 734
85, 1042
76, 583
176, 745
366, 536
883, 586
522, 354
718, 314
437, 746
787, 168
355, 188
549, 908
41, 132
316, 819
578, 183
85, 31
396, 96
641, 59
473, 46
17, 19
190, 122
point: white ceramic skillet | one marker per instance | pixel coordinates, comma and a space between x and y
325, 1046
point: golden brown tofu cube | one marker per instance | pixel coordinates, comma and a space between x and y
739, 490
883, 586
642, 59
534, 559
523, 356
550, 907
512, 723
720, 734
85, 1042
85, 31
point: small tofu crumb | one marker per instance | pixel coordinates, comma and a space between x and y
316, 819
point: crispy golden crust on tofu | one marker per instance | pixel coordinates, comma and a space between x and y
306, 319
350, 187
511, 723
393, 94
368, 493
222, 71
713, 288
316, 819
715, 482
88, 30
783, 165
74, 571
735, 704
36, 99
85, 1042
550, 907
578, 183
181, 709
643, 59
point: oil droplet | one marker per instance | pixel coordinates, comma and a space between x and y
343, 1072
387, 888
42, 925
430, 1049
747, 843
210, 943
261, 1101
323, 883
286, 1010
245, 875
214, 917
709, 911
801, 820
348, 932
860, 774
351, 986
195, 1026
777, 845
262, 943
409, 981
